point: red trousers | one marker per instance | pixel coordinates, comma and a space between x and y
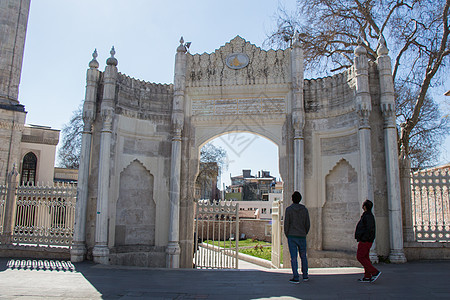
362, 254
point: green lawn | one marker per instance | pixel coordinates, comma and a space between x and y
251, 247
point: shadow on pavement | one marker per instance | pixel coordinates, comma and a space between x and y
86, 280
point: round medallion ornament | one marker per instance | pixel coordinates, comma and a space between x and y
237, 61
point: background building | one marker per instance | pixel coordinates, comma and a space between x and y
30, 148
255, 194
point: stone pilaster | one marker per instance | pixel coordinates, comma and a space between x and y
173, 247
101, 250
364, 108
78, 251
396, 254
298, 115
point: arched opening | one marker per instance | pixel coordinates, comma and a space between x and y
247, 173
29, 165
247, 156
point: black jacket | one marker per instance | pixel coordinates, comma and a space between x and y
296, 220
365, 230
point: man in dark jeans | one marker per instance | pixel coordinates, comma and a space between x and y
296, 227
365, 235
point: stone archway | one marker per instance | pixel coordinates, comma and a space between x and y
238, 87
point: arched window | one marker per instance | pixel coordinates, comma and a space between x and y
29, 169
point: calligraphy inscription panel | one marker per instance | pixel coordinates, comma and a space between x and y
243, 106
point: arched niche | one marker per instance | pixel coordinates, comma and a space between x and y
135, 209
341, 210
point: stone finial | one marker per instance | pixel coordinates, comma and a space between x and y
382, 50
181, 47
93, 64
112, 61
360, 50
296, 40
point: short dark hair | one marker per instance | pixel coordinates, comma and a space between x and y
368, 205
296, 197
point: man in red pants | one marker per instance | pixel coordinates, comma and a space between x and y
365, 235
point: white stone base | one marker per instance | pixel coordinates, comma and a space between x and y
77, 253
373, 256
397, 256
101, 255
173, 255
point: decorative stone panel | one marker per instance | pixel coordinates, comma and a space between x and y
263, 67
136, 209
341, 211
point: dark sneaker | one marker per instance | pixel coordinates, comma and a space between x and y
368, 280
293, 280
375, 277
306, 279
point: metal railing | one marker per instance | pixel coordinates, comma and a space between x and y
3, 194
45, 215
216, 228
430, 205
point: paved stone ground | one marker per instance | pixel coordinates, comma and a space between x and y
62, 280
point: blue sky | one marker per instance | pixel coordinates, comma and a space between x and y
62, 35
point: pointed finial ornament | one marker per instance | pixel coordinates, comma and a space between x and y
382, 49
112, 61
182, 46
93, 64
296, 39
360, 50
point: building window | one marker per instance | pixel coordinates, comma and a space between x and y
29, 164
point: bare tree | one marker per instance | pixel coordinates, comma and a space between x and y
213, 160
69, 151
416, 32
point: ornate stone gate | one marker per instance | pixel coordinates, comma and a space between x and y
336, 141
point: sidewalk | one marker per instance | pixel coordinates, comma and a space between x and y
416, 280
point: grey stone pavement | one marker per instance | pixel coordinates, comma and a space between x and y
38, 279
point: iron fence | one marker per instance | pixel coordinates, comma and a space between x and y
216, 235
430, 205
2, 206
44, 215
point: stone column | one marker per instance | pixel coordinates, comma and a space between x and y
78, 251
396, 254
405, 184
10, 206
298, 115
364, 108
101, 250
173, 247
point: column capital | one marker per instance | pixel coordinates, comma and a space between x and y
298, 122
388, 111
364, 115
107, 116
